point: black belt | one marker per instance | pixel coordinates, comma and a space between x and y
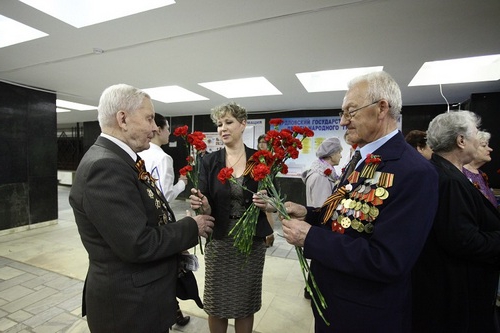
234, 217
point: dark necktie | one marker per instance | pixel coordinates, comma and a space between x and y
350, 166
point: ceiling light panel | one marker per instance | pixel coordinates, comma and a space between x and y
247, 87
61, 110
13, 32
473, 69
332, 80
74, 106
82, 13
173, 94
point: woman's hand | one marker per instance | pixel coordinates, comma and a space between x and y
199, 202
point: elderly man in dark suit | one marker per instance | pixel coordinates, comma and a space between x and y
126, 225
367, 236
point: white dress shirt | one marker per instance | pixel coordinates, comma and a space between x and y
161, 166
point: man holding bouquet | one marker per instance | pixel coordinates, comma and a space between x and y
365, 239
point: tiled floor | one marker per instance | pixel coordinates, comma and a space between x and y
42, 272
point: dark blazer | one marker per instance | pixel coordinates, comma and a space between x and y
218, 194
130, 284
365, 278
455, 279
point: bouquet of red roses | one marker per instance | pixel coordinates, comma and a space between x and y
263, 166
194, 143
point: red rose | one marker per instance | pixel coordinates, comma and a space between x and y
328, 172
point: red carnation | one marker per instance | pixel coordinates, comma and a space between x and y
185, 170
260, 171
181, 131
328, 172
225, 174
284, 169
298, 129
275, 121
308, 132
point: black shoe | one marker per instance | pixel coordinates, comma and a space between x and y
181, 319
306, 294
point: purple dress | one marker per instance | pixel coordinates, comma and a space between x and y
480, 181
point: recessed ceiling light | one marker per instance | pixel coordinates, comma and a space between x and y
13, 32
473, 69
173, 94
82, 13
74, 106
248, 87
332, 80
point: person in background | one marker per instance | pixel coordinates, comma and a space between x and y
418, 140
271, 217
321, 178
471, 170
233, 282
362, 250
126, 224
455, 278
161, 166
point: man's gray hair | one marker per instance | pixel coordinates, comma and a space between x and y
382, 86
115, 98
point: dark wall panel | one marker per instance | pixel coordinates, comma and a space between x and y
28, 153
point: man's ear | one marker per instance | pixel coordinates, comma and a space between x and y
121, 119
383, 108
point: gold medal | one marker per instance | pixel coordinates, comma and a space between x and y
355, 224
365, 208
346, 222
380, 191
385, 195
358, 205
373, 212
369, 228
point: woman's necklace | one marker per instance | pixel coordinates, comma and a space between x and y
231, 165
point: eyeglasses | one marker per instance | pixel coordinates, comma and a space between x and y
350, 114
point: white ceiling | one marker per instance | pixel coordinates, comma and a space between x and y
200, 41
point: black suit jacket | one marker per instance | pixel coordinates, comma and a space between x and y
130, 285
455, 279
218, 194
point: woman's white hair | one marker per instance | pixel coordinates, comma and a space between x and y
445, 128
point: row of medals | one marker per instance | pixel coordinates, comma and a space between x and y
360, 206
165, 217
